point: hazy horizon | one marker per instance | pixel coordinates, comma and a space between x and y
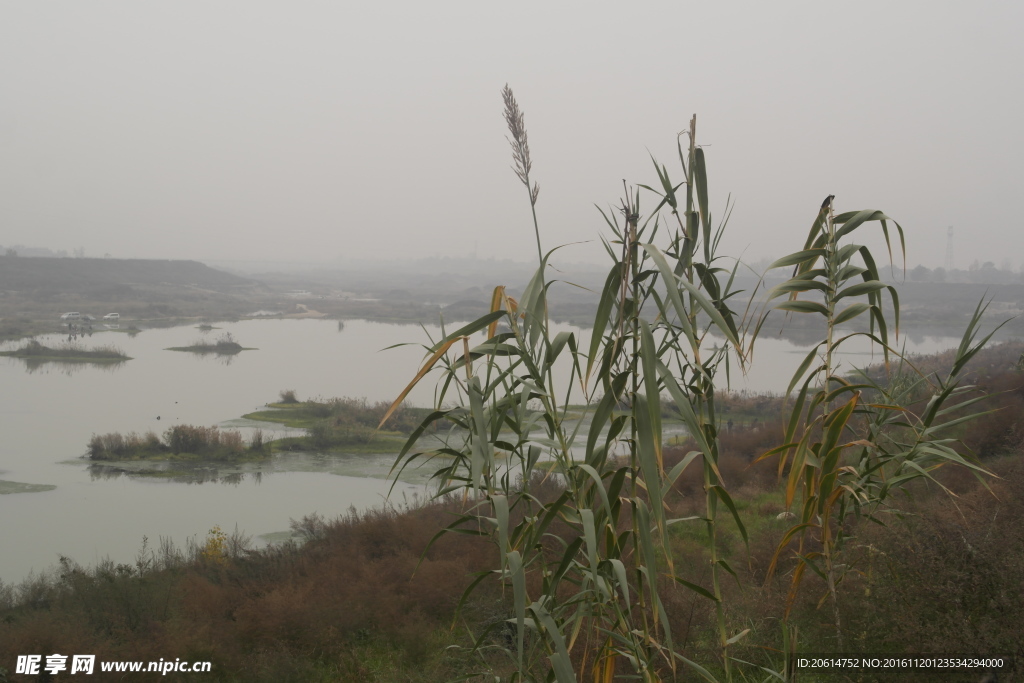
317, 132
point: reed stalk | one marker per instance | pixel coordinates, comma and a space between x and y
839, 446
615, 612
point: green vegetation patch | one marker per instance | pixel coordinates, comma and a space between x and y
296, 415
19, 487
346, 425
350, 411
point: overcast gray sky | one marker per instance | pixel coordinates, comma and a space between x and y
310, 131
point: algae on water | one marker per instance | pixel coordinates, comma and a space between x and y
20, 487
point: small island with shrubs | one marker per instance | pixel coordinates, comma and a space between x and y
181, 442
68, 352
345, 425
225, 345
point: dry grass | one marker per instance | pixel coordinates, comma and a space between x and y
116, 446
356, 591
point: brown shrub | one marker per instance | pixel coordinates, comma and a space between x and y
738, 451
289, 609
948, 575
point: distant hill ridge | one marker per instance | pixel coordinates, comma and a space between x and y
41, 273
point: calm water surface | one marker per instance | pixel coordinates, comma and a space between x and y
49, 412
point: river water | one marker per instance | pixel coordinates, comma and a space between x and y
49, 412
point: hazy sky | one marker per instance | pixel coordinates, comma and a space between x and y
310, 131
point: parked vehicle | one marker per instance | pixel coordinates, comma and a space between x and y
112, 316
71, 316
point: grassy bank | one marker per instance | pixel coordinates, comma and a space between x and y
347, 424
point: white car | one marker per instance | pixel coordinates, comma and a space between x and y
112, 316
71, 316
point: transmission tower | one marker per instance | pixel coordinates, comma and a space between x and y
949, 249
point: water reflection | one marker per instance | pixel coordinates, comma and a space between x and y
219, 357
179, 473
68, 367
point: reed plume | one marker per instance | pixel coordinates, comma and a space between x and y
521, 154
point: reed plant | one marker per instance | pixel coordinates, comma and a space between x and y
587, 597
258, 441
850, 444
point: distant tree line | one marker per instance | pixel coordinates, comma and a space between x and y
976, 273
979, 272
22, 250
